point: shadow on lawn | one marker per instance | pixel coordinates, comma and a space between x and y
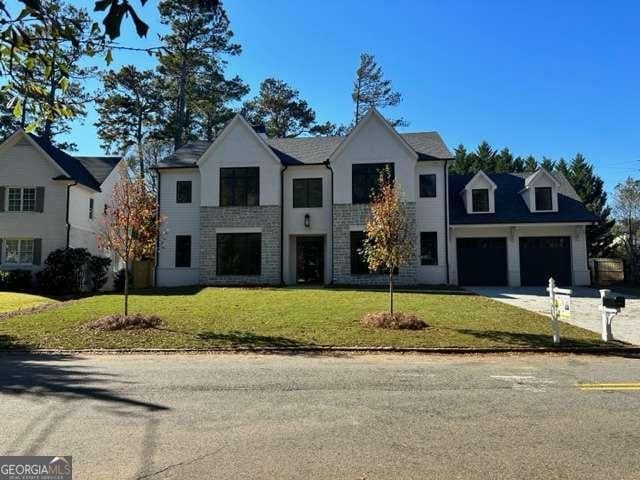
249, 340
58, 375
519, 339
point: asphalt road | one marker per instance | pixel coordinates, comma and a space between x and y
308, 417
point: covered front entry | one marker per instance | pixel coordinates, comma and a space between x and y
482, 261
544, 257
310, 260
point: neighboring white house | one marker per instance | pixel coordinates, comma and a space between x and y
49, 200
247, 209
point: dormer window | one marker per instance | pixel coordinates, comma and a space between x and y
544, 200
480, 200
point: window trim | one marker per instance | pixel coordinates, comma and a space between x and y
473, 206
435, 185
246, 203
380, 165
184, 182
436, 262
22, 189
535, 199
307, 181
5, 245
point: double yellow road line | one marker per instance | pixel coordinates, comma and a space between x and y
611, 387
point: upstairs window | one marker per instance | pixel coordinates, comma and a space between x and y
183, 191
364, 180
21, 199
91, 209
428, 186
239, 187
307, 192
480, 200
543, 198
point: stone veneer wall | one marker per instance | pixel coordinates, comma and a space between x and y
265, 217
347, 215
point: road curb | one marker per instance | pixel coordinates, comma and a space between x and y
632, 350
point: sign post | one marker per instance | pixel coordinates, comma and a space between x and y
560, 301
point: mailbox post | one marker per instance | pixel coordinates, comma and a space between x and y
560, 302
610, 307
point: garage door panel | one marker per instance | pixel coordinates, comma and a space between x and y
482, 261
545, 257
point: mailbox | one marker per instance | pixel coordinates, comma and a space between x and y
614, 302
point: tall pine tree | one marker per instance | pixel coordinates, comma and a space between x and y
372, 90
127, 111
195, 47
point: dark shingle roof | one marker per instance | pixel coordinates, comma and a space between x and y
301, 150
311, 150
79, 169
99, 167
186, 156
509, 205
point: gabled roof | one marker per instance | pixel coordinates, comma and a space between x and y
373, 116
481, 174
510, 207
541, 172
99, 167
238, 121
312, 150
74, 168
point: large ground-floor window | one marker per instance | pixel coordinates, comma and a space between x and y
239, 253
18, 252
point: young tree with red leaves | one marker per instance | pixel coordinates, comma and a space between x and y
388, 241
130, 225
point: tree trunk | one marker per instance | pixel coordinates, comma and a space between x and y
391, 292
47, 133
140, 151
126, 288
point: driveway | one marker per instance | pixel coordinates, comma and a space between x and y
584, 306
306, 417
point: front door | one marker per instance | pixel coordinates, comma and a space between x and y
309, 260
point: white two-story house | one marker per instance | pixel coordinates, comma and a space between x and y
252, 210
49, 200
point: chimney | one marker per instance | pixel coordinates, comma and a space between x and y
261, 130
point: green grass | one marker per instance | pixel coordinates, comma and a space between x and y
10, 301
214, 317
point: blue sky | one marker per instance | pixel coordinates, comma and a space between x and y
544, 78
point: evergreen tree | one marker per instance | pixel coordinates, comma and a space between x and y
563, 168
518, 164
197, 45
371, 90
547, 164
461, 164
211, 109
284, 114
590, 188
127, 111
504, 161
530, 164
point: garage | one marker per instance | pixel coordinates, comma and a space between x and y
482, 261
545, 257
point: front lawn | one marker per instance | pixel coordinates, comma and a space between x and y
10, 301
222, 317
